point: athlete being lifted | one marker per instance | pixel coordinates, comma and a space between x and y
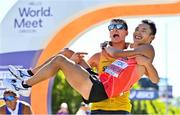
115, 80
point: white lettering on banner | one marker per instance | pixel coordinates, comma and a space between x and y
143, 94
132, 94
116, 67
147, 95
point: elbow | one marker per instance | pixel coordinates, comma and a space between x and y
156, 80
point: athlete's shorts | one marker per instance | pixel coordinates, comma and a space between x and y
97, 92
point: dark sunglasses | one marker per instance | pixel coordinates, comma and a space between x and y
116, 26
9, 98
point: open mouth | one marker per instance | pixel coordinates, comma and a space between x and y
138, 37
115, 35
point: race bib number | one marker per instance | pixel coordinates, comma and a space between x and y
116, 67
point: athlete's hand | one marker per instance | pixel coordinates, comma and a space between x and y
66, 52
78, 56
105, 44
112, 51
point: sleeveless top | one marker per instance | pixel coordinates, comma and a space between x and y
119, 76
17, 111
120, 102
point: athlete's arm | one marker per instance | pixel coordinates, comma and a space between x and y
146, 59
78, 58
93, 61
27, 110
150, 69
2, 110
146, 50
119, 53
146, 55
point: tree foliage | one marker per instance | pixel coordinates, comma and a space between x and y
63, 92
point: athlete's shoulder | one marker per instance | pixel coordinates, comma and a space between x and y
3, 109
145, 47
24, 103
147, 50
95, 57
26, 107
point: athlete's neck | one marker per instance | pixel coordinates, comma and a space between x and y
13, 107
119, 45
135, 45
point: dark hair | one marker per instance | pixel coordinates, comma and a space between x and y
151, 24
120, 21
10, 92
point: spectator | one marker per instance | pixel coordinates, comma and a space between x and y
13, 105
83, 109
63, 109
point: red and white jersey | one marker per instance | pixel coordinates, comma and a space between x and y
119, 76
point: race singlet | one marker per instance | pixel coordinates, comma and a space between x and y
119, 76
120, 102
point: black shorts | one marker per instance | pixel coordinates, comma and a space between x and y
97, 92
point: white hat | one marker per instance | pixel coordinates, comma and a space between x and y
64, 105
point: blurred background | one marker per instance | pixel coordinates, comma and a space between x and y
29, 28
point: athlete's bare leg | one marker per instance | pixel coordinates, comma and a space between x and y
66, 52
76, 76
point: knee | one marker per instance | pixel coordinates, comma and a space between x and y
58, 60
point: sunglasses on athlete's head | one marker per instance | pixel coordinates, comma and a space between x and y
9, 98
116, 26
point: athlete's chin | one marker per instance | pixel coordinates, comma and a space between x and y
137, 40
116, 40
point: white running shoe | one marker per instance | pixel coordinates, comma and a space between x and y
16, 86
20, 74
